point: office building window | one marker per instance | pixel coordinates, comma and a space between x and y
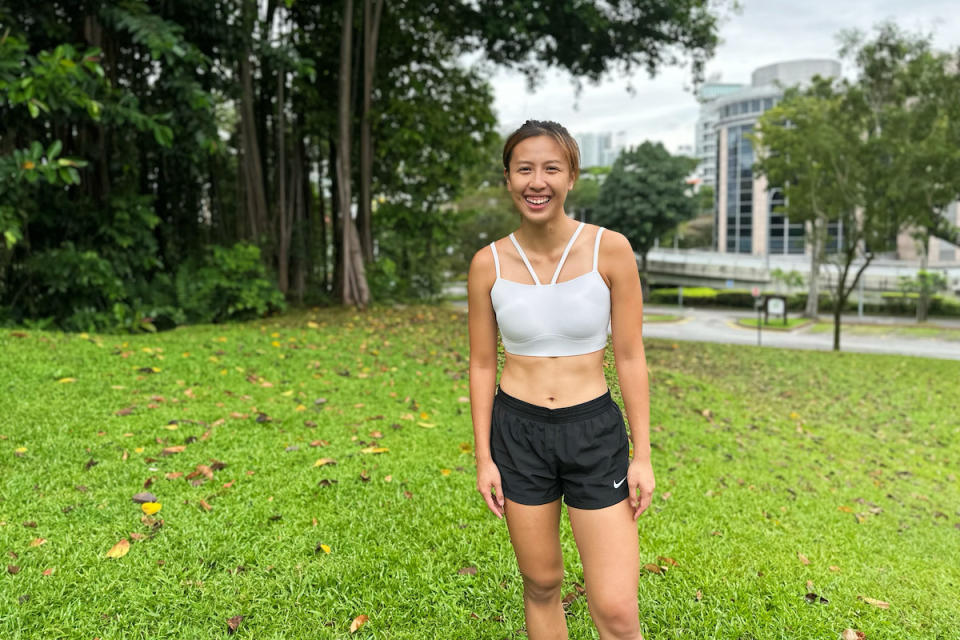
739, 190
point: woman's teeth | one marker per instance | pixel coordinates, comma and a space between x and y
538, 200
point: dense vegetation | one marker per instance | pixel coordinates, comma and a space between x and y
153, 152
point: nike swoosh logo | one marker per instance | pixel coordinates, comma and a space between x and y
616, 485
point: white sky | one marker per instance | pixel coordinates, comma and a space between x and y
763, 32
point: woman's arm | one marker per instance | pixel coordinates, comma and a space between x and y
483, 373
626, 317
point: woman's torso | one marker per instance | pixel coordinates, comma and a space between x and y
555, 381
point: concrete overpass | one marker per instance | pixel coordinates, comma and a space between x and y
697, 267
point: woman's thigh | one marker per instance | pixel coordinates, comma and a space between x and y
608, 543
535, 534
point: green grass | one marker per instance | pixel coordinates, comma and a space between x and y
760, 454
905, 331
660, 317
775, 325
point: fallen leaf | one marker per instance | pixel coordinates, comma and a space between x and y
803, 558
137, 536
388, 478
468, 571
36, 542
65, 380
665, 495
364, 476
427, 425
358, 622
324, 461
853, 634
119, 550
834, 568
173, 475
666, 560
13, 569
445, 472
206, 507
374, 450
376, 434
145, 496
169, 451
233, 623
319, 443
875, 602
813, 598
653, 568
150, 508
699, 595
465, 447
48, 572
322, 547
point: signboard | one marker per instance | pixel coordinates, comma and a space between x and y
755, 292
775, 306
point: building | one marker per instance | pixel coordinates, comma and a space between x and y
744, 217
705, 143
600, 149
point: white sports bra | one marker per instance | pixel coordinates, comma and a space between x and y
567, 318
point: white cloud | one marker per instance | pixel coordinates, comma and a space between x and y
765, 31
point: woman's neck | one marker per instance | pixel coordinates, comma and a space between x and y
546, 237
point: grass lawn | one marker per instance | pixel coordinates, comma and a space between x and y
792, 488
901, 330
660, 317
775, 325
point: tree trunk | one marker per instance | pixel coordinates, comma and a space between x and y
816, 259
372, 10
644, 284
353, 289
923, 297
256, 201
283, 239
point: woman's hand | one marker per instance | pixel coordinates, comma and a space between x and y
641, 483
488, 477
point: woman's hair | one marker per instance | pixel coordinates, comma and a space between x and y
533, 128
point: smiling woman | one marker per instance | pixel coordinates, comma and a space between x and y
551, 430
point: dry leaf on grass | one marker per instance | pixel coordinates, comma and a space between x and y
119, 550
358, 622
233, 623
875, 602
803, 558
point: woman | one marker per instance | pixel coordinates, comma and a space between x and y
551, 430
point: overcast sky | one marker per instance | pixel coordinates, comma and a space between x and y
763, 32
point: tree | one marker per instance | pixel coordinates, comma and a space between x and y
804, 149
868, 153
646, 195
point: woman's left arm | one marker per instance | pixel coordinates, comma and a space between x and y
619, 265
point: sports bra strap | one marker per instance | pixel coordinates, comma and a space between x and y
525, 261
566, 250
496, 260
596, 248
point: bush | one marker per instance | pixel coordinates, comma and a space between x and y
230, 283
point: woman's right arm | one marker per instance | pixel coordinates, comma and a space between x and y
483, 373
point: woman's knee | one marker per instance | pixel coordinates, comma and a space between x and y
619, 617
543, 585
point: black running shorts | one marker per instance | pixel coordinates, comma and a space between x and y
580, 452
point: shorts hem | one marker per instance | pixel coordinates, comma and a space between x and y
596, 504
532, 502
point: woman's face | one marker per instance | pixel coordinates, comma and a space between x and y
539, 178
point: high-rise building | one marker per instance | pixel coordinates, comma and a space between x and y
705, 143
600, 149
745, 220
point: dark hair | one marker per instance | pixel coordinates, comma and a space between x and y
534, 128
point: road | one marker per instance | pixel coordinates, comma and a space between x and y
708, 325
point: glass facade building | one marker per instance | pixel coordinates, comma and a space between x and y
750, 216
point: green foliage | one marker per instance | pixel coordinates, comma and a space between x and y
924, 283
789, 279
646, 195
229, 283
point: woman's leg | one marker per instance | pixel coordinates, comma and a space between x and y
535, 534
607, 540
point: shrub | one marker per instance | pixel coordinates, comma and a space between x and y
229, 283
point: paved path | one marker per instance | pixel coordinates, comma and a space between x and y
709, 325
